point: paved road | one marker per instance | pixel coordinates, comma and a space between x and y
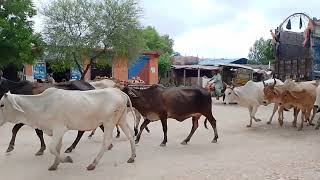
261, 152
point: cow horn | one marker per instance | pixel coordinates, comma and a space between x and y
274, 82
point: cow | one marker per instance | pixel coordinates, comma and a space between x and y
29, 88
251, 96
157, 103
272, 94
107, 107
303, 100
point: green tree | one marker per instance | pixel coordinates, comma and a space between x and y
261, 52
164, 65
163, 44
155, 42
16, 33
77, 28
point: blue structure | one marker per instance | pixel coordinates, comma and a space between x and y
39, 71
137, 66
218, 62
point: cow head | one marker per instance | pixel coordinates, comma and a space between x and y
230, 95
271, 95
7, 107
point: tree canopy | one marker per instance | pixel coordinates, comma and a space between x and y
261, 52
16, 33
77, 28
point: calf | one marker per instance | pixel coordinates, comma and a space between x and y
56, 111
304, 100
157, 103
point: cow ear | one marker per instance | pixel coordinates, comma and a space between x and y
14, 103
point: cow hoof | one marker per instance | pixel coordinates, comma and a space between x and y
162, 144
91, 167
214, 141
131, 160
258, 120
184, 143
299, 129
69, 150
248, 126
136, 141
118, 136
39, 153
68, 159
53, 168
10, 148
110, 147
312, 124
269, 122
317, 128
135, 132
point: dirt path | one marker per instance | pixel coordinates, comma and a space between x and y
261, 152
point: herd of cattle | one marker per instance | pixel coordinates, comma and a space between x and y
53, 108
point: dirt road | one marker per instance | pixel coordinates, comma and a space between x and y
261, 152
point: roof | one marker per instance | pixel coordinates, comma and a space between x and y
217, 62
193, 67
238, 66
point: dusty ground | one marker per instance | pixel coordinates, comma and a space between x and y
261, 152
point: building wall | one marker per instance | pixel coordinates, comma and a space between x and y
149, 73
120, 69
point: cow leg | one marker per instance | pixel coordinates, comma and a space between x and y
76, 141
318, 124
118, 131
143, 125
275, 108
213, 123
195, 125
138, 117
314, 112
111, 145
43, 144
92, 133
107, 141
280, 115
253, 113
55, 148
250, 112
295, 114
303, 117
164, 129
15, 130
127, 131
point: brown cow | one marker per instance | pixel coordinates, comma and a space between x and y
157, 103
304, 100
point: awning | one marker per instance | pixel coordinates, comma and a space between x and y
194, 67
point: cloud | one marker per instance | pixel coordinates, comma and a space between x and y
215, 28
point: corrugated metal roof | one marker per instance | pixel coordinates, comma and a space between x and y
218, 62
194, 67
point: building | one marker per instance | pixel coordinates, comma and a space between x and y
146, 67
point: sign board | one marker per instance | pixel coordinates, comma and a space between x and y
39, 71
75, 74
153, 69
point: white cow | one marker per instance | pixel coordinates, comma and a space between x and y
56, 111
107, 83
251, 96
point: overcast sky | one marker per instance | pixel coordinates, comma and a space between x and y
216, 28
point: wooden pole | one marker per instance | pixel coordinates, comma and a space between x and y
198, 76
184, 77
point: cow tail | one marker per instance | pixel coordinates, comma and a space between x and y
132, 110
